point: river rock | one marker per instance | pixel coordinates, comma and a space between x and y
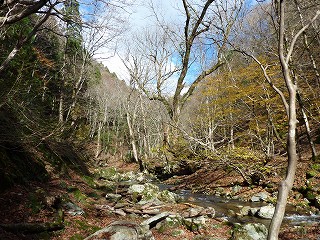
151, 193
235, 189
73, 209
253, 211
142, 177
172, 222
248, 211
194, 224
151, 222
266, 212
250, 231
168, 197
122, 230
193, 212
109, 174
244, 211
133, 177
136, 188
261, 196
127, 176
113, 197
199, 211
210, 212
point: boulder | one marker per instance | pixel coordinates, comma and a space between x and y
253, 211
142, 177
109, 174
136, 188
73, 209
261, 196
199, 211
127, 176
113, 197
250, 231
168, 197
235, 189
195, 224
244, 211
248, 211
133, 177
151, 222
266, 212
122, 230
210, 212
193, 212
112, 174
171, 222
151, 193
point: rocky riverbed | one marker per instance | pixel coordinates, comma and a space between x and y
132, 205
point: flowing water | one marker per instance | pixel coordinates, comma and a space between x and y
226, 208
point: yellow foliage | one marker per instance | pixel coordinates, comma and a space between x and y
43, 59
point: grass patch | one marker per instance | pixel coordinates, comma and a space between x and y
77, 236
81, 225
79, 196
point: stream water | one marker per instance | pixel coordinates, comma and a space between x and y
225, 208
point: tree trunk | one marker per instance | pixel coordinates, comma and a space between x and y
307, 126
61, 106
146, 145
274, 129
307, 45
166, 130
77, 88
133, 143
286, 184
98, 148
22, 42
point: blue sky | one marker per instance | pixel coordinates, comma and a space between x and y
140, 17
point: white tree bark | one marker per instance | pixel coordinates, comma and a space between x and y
287, 183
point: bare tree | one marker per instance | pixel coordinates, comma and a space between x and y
100, 28
123, 120
284, 56
12, 11
21, 42
170, 53
286, 49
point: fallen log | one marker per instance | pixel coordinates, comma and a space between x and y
131, 210
151, 211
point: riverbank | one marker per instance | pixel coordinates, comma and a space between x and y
79, 203
223, 181
86, 208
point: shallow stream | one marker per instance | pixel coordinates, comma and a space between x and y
225, 208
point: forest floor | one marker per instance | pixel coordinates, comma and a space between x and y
35, 203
